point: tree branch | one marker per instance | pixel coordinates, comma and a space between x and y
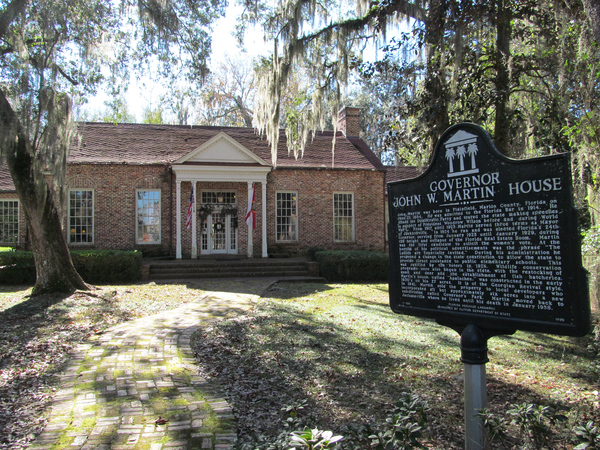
395, 6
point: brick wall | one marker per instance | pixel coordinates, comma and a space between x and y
115, 188
315, 207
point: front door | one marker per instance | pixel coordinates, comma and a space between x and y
219, 232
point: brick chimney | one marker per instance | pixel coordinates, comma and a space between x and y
349, 121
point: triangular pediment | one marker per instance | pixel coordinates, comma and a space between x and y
221, 149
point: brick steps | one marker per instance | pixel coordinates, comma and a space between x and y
199, 269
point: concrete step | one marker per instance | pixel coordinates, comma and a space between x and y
204, 275
228, 268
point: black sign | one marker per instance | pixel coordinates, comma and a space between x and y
483, 239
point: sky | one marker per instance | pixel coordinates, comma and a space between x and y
145, 93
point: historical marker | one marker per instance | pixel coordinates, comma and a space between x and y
483, 239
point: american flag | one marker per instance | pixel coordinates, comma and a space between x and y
188, 220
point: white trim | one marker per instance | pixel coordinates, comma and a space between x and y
178, 219
222, 136
228, 226
16, 199
194, 217
137, 240
93, 216
242, 174
264, 220
297, 231
250, 250
353, 215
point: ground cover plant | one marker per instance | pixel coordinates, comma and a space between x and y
334, 357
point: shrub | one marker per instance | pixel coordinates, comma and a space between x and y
311, 253
94, 266
337, 265
16, 267
108, 266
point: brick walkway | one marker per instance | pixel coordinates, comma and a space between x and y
136, 386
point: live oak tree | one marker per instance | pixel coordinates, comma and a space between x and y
227, 97
525, 70
52, 51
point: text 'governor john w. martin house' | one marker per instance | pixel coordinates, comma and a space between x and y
483, 239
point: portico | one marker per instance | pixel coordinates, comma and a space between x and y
220, 161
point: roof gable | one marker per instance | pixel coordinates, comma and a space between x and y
221, 148
103, 143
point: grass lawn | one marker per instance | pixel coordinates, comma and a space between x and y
341, 348
332, 355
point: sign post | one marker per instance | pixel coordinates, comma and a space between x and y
487, 245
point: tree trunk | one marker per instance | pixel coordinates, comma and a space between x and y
592, 10
54, 268
503, 36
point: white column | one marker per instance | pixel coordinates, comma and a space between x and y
194, 236
264, 219
250, 230
178, 221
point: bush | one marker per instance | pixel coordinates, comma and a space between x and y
16, 267
337, 265
311, 253
94, 266
108, 266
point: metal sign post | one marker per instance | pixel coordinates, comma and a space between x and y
480, 242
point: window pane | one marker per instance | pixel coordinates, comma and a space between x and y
9, 221
148, 217
286, 220
81, 216
343, 217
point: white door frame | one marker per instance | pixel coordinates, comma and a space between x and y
229, 249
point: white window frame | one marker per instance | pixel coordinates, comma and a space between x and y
139, 240
13, 200
296, 224
337, 217
69, 226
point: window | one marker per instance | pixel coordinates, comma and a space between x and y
81, 216
287, 216
9, 221
148, 217
343, 217
218, 199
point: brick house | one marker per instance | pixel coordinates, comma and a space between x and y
130, 185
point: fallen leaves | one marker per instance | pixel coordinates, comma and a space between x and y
37, 335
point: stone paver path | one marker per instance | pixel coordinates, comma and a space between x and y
136, 386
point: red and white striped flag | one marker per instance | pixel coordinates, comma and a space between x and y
188, 220
251, 215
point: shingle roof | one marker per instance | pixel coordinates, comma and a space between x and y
150, 144
6, 182
397, 173
140, 144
